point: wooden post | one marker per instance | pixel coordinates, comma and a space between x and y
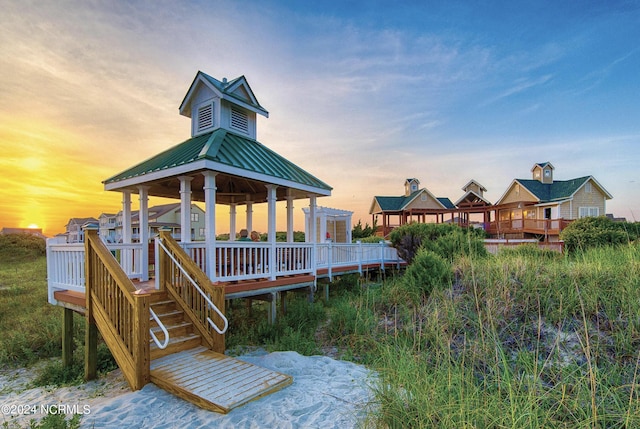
67, 338
141, 354
91, 351
91, 331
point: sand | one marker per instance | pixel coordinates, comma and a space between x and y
326, 393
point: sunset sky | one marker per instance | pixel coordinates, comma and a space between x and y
362, 94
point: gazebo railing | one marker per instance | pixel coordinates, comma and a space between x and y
235, 260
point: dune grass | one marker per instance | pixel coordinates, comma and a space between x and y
522, 340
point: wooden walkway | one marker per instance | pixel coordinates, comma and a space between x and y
214, 381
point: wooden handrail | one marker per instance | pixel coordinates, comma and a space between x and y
121, 315
191, 302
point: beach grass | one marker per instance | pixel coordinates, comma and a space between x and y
32, 328
525, 339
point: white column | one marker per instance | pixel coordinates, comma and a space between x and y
249, 213
312, 219
185, 208
126, 217
232, 222
210, 221
312, 233
323, 225
289, 216
144, 231
271, 210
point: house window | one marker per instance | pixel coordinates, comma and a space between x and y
588, 212
195, 217
587, 188
205, 117
239, 120
423, 197
201, 232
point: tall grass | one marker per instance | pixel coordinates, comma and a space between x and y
525, 339
31, 328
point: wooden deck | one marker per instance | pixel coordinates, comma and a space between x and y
214, 381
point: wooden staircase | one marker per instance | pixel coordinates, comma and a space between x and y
182, 335
191, 310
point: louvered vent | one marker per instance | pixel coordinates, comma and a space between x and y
205, 117
239, 120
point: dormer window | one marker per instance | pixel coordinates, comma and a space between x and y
239, 120
205, 117
547, 173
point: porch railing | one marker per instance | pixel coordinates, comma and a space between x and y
235, 260
121, 315
200, 300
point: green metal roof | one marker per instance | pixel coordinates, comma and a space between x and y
226, 148
556, 191
391, 204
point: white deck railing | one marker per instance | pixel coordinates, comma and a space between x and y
235, 260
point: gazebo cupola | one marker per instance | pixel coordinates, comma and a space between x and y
213, 104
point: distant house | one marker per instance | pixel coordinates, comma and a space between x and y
74, 231
539, 207
415, 205
542, 206
161, 216
31, 231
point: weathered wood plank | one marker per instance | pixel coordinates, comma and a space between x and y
214, 381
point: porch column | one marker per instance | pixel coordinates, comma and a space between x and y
289, 216
323, 225
126, 217
185, 208
232, 222
271, 210
249, 214
312, 239
210, 222
144, 231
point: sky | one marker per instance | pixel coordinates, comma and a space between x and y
361, 94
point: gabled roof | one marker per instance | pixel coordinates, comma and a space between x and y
470, 182
236, 91
542, 165
224, 151
472, 196
394, 204
557, 191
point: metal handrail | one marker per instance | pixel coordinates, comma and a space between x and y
164, 331
201, 292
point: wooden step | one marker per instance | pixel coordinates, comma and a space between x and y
163, 306
175, 329
168, 317
176, 344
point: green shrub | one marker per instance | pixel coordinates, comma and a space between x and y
427, 272
447, 240
598, 231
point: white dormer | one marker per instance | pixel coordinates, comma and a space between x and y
543, 172
411, 186
212, 104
